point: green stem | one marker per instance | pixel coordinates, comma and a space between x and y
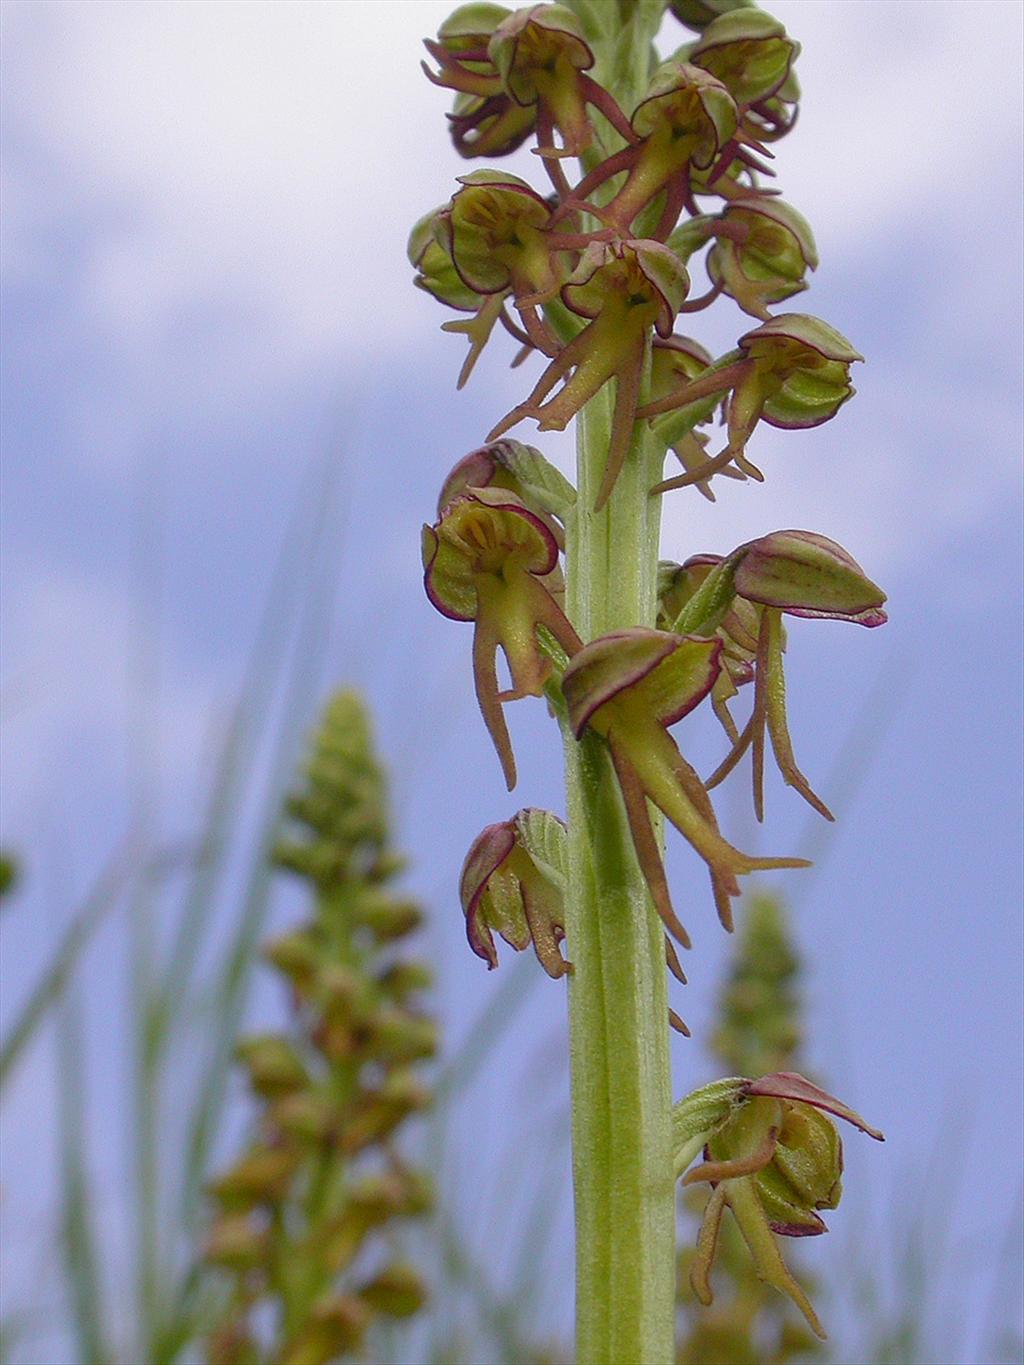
618, 1010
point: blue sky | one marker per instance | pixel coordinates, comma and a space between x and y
205, 294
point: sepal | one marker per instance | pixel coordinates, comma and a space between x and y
506, 889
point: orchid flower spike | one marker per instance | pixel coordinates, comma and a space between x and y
487, 559
793, 372
505, 889
629, 687
623, 288
798, 573
774, 1157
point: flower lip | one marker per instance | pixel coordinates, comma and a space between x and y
644, 257
459, 602
645, 650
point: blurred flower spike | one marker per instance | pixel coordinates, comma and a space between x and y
629, 687
798, 573
486, 560
623, 288
793, 372
774, 1157
506, 891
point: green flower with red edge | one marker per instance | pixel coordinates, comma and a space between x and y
484, 121
629, 687
430, 254
774, 1157
793, 372
486, 560
684, 120
624, 289
797, 573
763, 250
505, 891
543, 58
749, 51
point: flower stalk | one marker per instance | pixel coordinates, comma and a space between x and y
592, 278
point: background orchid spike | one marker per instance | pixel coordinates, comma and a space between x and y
802, 574
629, 687
794, 373
625, 289
762, 252
484, 561
772, 1155
506, 890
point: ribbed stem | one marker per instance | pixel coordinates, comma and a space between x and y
618, 1010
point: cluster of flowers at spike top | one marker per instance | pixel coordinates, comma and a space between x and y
298, 1219
774, 1158
596, 274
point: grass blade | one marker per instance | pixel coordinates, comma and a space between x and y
52, 984
77, 1231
